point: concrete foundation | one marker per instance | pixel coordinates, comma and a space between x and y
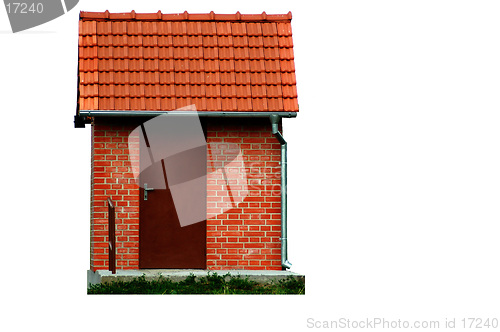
261, 277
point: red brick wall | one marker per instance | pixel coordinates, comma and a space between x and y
243, 187
244, 225
112, 176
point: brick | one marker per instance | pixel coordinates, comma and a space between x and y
102, 139
233, 245
131, 256
255, 245
231, 257
255, 222
232, 233
254, 234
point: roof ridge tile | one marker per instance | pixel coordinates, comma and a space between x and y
185, 16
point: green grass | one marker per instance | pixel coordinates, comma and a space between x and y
211, 284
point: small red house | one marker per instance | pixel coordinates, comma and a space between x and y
187, 140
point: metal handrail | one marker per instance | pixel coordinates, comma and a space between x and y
112, 237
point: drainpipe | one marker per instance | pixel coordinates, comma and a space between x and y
275, 119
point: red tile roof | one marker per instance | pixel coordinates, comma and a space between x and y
219, 62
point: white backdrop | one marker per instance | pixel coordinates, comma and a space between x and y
394, 172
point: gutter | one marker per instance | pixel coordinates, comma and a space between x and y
275, 120
83, 114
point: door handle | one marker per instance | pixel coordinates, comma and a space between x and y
146, 189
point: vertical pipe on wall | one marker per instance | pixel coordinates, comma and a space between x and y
275, 119
112, 237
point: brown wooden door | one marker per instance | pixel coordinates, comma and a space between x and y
163, 242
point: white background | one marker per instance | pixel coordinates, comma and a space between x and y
394, 172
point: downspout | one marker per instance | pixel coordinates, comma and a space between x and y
275, 119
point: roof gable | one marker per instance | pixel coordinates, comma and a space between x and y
163, 62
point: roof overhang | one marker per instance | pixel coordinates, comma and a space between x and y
85, 115
109, 113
